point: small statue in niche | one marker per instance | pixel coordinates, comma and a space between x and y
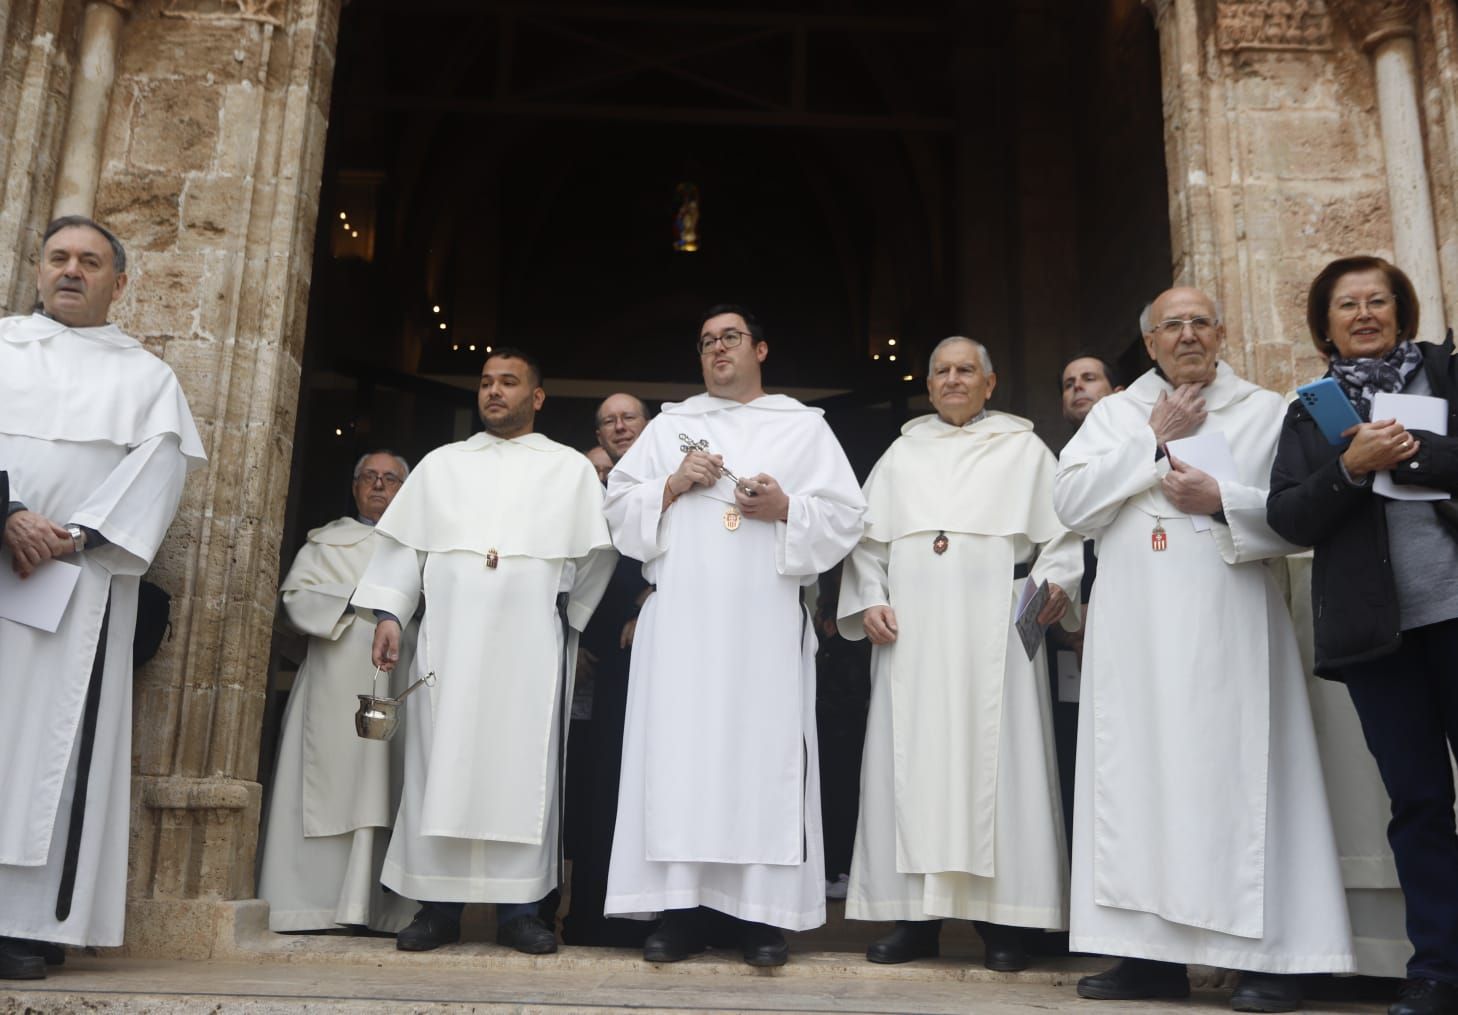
686, 219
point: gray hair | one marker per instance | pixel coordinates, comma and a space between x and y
359, 465
982, 353
1146, 316
118, 252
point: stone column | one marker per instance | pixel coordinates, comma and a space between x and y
1386, 29
80, 168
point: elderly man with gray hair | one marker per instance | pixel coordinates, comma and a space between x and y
334, 794
1201, 830
960, 808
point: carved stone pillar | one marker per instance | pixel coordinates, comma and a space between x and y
80, 169
210, 172
1387, 30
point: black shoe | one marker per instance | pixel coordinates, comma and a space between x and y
54, 955
527, 934
1426, 997
1136, 980
432, 927
912, 939
676, 937
1005, 949
19, 962
1266, 992
764, 945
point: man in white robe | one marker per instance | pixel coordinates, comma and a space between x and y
503, 536
97, 438
1201, 830
334, 792
719, 804
960, 814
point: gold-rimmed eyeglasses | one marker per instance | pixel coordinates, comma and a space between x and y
729, 340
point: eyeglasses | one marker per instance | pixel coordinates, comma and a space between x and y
729, 340
369, 477
1349, 307
610, 422
1175, 326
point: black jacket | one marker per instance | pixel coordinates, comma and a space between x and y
1353, 595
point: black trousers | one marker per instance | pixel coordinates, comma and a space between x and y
1408, 705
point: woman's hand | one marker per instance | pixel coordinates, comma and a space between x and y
1381, 444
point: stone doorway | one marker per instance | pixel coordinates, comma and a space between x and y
499, 173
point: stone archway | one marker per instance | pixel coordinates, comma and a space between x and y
196, 128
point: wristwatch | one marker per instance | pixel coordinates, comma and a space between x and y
78, 537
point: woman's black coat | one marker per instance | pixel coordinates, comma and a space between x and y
1353, 596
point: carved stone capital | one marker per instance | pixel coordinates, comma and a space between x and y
1272, 24
1373, 22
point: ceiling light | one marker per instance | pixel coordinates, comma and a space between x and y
343, 216
890, 341
442, 325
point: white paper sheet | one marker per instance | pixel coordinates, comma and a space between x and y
1414, 412
40, 600
1208, 452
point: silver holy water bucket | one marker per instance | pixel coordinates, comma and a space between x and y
377, 718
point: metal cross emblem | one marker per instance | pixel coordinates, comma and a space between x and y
689, 444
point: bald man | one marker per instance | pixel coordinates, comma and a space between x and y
1201, 829
595, 749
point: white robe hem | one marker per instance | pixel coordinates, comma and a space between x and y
1223, 958
645, 907
438, 888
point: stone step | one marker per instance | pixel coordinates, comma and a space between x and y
368, 976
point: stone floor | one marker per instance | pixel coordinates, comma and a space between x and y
338, 974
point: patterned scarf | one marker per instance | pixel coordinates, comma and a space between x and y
1362, 378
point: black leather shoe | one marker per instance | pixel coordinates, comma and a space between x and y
432, 927
1426, 997
18, 962
1266, 992
764, 945
1136, 980
912, 939
527, 934
54, 955
1005, 949
676, 937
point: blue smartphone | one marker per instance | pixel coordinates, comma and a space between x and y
1328, 405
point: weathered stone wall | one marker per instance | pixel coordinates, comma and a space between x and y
38, 38
211, 170
1274, 149
211, 156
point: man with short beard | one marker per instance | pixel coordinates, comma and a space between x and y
506, 531
1201, 829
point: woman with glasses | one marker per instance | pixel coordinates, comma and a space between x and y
1384, 585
